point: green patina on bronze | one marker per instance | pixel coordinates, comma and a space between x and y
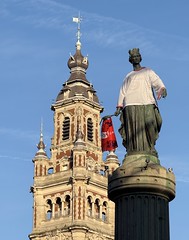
140, 124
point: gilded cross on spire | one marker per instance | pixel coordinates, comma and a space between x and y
78, 21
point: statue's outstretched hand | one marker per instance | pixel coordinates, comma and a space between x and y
162, 93
118, 111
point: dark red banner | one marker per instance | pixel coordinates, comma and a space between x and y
108, 138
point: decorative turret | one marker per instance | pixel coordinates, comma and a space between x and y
112, 162
78, 60
41, 146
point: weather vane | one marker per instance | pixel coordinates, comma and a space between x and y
78, 21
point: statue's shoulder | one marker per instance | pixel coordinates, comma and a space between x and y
130, 74
148, 69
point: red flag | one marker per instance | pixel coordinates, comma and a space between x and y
108, 138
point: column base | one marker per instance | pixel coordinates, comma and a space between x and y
141, 190
141, 173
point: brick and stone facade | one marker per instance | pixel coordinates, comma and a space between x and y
70, 188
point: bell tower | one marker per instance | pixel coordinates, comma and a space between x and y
70, 186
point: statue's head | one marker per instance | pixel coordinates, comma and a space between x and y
133, 53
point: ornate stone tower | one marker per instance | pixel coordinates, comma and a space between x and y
70, 187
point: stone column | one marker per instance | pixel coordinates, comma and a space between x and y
53, 210
62, 210
100, 211
141, 189
92, 209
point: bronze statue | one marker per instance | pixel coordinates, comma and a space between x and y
140, 117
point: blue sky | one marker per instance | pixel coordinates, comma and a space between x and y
36, 38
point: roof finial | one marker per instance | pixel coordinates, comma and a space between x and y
41, 130
41, 146
78, 21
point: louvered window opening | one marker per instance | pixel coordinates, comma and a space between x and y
90, 129
66, 129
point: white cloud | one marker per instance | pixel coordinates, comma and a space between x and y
39, 13
22, 136
14, 158
17, 133
104, 31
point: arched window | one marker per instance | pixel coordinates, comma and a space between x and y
103, 216
49, 209
104, 211
102, 172
50, 171
89, 206
97, 208
90, 129
58, 207
67, 206
66, 128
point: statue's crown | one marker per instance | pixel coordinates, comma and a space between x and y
134, 51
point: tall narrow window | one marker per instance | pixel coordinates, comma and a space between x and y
90, 129
58, 207
97, 208
89, 206
103, 216
66, 128
104, 211
67, 206
49, 209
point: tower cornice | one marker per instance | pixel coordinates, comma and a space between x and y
77, 99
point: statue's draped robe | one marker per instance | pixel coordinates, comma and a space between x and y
140, 118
